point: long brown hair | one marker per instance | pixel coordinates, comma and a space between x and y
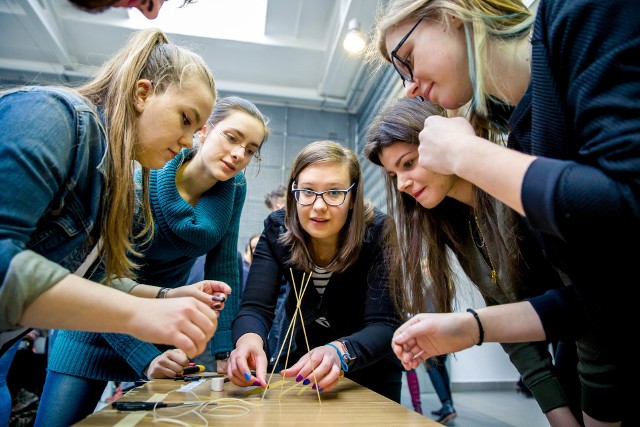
418, 239
361, 214
147, 55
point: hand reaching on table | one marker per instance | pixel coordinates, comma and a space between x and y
430, 334
169, 364
248, 355
327, 370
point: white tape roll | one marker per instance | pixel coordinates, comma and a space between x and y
217, 384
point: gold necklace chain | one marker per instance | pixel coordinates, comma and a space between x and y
494, 273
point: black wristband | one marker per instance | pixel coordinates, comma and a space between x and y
223, 355
481, 329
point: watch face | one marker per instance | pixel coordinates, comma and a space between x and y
222, 356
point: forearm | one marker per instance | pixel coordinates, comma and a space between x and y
79, 304
517, 322
146, 291
497, 170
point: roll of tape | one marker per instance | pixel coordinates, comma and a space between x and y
217, 384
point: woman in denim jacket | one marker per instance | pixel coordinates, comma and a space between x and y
67, 158
197, 200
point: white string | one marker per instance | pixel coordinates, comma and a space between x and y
204, 410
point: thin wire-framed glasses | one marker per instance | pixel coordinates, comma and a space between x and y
306, 197
402, 67
248, 150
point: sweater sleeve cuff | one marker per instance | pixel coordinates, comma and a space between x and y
549, 395
221, 342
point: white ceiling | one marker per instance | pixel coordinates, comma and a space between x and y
283, 52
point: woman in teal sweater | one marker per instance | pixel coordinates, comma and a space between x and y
196, 201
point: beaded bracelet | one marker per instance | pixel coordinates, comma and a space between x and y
343, 363
472, 311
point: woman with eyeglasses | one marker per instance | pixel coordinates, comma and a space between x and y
327, 243
571, 74
196, 202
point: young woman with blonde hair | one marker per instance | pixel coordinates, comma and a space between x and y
69, 155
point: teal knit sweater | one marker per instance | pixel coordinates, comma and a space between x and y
182, 234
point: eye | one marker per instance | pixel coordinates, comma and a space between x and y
231, 137
307, 192
409, 164
251, 151
334, 193
185, 120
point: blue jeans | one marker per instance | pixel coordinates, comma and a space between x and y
5, 394
67, 399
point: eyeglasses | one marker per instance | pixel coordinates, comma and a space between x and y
249, 151
306, 197
403, 68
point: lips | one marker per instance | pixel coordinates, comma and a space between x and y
319, 219
418, 193
229, 165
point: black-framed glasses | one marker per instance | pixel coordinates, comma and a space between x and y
306, 197
248, 150
403, 68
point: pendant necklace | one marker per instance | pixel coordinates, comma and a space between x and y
483, 250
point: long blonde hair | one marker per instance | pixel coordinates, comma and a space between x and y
484, 21
147, 55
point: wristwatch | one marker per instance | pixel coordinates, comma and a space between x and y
223, 355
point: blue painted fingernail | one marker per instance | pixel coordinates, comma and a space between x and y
313, 386
247, 376
299, 378
257, 383
307, 381
320, 390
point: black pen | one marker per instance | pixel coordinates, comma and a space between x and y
137, 405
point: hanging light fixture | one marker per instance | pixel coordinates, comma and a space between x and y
354, 41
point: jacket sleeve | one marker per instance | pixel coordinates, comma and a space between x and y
373, 341
257, 309
35, 168
534, 363
588, 178
222, 264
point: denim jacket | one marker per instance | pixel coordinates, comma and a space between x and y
52, 161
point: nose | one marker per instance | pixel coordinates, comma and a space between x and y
186, 140
402, 183
411, 89
238, 152
319, 203
150, 8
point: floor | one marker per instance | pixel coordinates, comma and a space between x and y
503, 408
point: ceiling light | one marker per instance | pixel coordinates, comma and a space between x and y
354, 41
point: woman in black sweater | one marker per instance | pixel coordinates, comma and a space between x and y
327, 231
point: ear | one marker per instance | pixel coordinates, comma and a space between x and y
144, 90
455, 22
202, 134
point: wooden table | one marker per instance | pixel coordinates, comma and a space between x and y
347, 404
